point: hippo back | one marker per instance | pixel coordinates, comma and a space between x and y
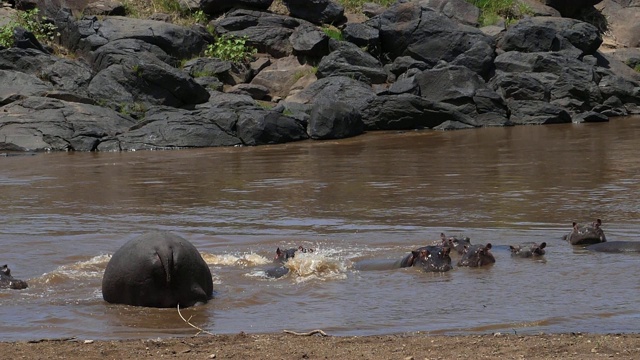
157, 269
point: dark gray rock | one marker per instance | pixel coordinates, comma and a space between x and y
541, 34
336, 88
464, 89
260, 127
410, 28
143, 78
590, 116
406, 111
316, 11
334, 120
531, 112
458, 10
308, 40
353, 62
88, 34
24, 39
170, 128
364, 36
50, 124
215, 7
16, 85
268, 33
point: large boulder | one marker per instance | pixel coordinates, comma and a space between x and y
539, 34
334, 120
411, 28
45, 124
622, 21
316, 11
281, 76
570, 8
406, 111
466, 91
353, 62
268, 33
127, 77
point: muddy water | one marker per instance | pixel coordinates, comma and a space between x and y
371, 198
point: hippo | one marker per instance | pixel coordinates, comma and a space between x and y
282, 256
528, 251
9, 282
616, 246
586, 234
477, 255
458, 245
430, 259
157, 269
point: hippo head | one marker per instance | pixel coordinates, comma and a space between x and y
586, 234
477, 255
8, 281
5, 270
433, 261
533, 250
457, 244
283, 255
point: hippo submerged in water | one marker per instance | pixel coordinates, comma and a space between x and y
157, 269
586, 234
282, 256
429, 258
616, 246
528, 251
476, 256
9, 282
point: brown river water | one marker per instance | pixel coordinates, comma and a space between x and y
370, 198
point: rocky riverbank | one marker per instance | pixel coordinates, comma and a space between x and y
134, 84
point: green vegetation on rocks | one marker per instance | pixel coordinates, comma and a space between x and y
231, 48
494, 11
29, 20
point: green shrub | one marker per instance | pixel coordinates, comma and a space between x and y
332, 32
637, 68
230, 48
30, 21
493, 11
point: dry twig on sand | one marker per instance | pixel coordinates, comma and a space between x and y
312, 332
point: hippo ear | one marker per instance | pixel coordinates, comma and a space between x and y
598, 223
278, 252
488, 246
575, 225
542, 246
513, 248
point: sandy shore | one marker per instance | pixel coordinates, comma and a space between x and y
291, 346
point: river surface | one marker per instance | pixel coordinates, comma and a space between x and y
372, 198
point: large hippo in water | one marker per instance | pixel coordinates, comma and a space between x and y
157, 269
586, 234
9, 282
476, 256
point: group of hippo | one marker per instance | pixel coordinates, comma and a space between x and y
161, 269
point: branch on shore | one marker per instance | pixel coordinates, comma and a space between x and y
312, 332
